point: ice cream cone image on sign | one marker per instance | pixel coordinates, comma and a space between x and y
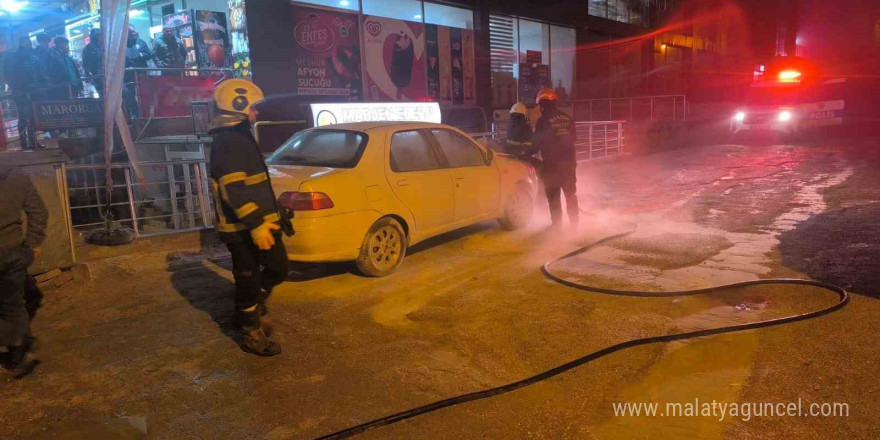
396, 68
402, 63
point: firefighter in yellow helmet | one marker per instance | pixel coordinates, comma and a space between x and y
555, 137
519, 137
248, 219
519, 132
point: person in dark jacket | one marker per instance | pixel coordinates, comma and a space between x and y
519, 138
248, 219
137, 56
18, 250
93, 60
61, 72
16, 72
36, 79
169, 52
555, 137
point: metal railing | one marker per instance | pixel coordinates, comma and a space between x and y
646, 108
597, 139
177, 198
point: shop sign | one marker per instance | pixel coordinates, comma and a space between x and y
329, 114
450, 63
214, 50
165, 96
534, 56
77, 113
327, 55
396, 65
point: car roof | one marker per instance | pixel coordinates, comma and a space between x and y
373, 125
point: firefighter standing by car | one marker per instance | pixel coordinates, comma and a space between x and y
554, 138
248, 219
519, 136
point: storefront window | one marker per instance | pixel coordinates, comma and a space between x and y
353, 5
624, 11
562, 42
527, 56
409, 10
449, 16
534, 37
140, 19
503, 48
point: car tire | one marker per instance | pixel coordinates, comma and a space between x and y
518, 210
383, 248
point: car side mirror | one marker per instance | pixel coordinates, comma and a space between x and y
490, 156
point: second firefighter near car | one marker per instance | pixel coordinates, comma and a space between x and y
366, 191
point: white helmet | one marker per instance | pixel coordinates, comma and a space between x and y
520, 109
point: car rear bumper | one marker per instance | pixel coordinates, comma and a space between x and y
331, 238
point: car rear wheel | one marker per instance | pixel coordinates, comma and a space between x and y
518, 211
383, 248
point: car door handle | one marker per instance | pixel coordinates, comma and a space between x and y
459, 178
403, 182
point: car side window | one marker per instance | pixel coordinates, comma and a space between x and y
411, 151
459, 151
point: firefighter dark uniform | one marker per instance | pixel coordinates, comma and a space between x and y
519, 137
555, 137
248, 220
519, 133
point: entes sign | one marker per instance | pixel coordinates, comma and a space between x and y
77, 113
329, 114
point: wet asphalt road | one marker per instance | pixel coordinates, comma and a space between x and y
146, 350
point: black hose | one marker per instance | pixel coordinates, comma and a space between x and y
503, 389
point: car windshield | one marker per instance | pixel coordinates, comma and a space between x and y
321, 148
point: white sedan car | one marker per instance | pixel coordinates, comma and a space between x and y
366, 191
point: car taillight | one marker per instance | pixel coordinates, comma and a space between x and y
305, 201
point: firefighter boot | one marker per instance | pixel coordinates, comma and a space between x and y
265, 322
253, 336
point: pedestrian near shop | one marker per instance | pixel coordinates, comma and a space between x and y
18, 249
93, 60
555, 137
61, 72
137, 56
169, 52
248, 219
16, 71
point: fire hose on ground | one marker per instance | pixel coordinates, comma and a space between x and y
843, 299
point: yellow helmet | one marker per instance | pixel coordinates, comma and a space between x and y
519, 109
237, 96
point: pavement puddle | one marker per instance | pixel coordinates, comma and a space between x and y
707, 369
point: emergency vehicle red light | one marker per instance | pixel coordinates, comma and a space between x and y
789, 75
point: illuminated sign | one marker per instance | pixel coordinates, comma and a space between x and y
328, 114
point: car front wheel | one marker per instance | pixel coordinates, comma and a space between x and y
518, 211
383, 248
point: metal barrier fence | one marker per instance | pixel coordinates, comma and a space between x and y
180, 202
646, 108
597, 139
